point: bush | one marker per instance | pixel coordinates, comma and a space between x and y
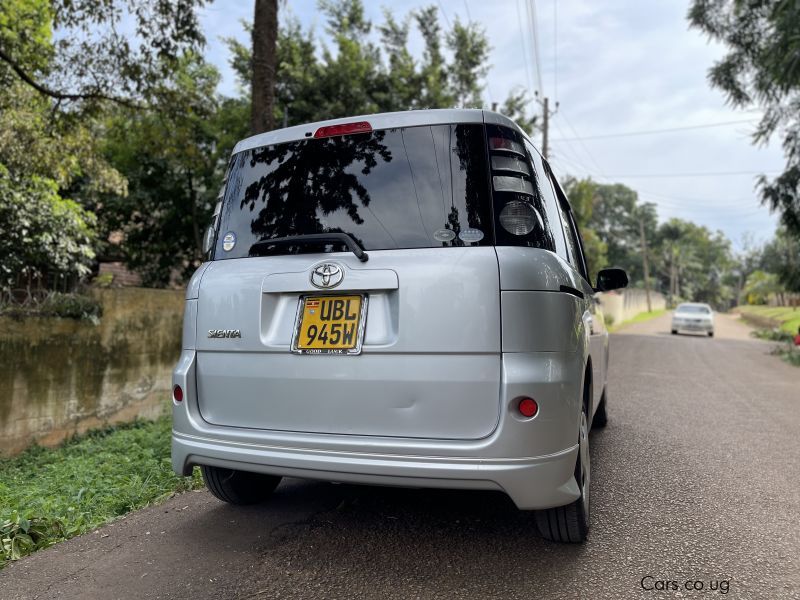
70, 306
45, 237
55, 304
774, 335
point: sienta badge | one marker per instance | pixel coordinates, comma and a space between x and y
471, 235
229, 241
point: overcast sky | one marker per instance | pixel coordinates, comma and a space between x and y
615, 67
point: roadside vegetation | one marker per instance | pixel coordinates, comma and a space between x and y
48, 495
783, 318
69, 305
776, 324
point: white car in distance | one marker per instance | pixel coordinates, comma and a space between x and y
693, 317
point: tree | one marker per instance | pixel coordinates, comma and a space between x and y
173, 160
582, 197
470, 50
693, 263
94, 59
609, 216
762, 68
760, 286
359, 76
782, 257
265, 37
47, 240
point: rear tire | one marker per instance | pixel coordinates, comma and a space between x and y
600, 419
239, 487
570, 523
674, 332
710, 334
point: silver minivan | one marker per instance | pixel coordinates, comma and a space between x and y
396, 299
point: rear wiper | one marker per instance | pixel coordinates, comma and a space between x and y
315, 238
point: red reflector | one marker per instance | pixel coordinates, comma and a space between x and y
177, 393
528, 407
344, 129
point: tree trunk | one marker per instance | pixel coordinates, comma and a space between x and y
265, 63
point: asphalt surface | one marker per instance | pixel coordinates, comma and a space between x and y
695, 480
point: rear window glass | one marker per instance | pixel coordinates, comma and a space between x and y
693, 308
414, 187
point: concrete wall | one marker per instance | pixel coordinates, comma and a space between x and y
59, 377
626, 304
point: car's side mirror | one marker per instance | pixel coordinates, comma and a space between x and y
611, 279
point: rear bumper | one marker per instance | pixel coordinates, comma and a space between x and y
531, 460
531, 482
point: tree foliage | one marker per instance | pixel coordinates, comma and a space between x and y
687, 261
760, 285
109, 50
781, 256
762, 68
369, 69
173, 159
46, 239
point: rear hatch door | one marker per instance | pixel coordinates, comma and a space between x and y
427, 364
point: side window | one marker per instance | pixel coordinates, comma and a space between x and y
574, 244
548, 200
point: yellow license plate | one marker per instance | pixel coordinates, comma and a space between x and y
330, 324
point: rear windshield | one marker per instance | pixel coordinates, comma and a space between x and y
415, 187
689, 308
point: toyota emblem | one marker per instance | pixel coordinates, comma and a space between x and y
327, 275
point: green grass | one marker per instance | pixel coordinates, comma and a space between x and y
49, 495
645, 316
786, 318
784, 322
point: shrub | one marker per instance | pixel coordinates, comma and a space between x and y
70, 306
45, 237
774, 335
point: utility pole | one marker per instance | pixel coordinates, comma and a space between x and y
644, 263
545, 103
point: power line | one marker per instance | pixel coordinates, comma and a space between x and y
538, 47
530, 10
716, 174
574, 156
580, 141
444, 14
555, 50
466, 6
524, 50
655, 131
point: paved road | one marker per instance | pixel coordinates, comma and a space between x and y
695, 479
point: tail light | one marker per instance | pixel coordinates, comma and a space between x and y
519, 218
177, 393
